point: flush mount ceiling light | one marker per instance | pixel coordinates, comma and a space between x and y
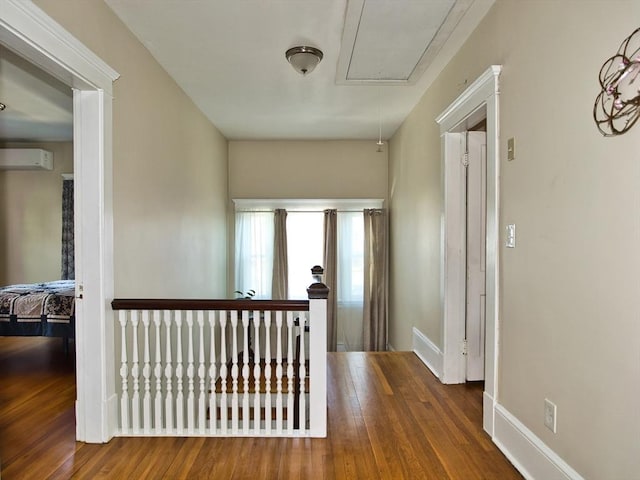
304, 59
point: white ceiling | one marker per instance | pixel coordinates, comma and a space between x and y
38, 107
380, 56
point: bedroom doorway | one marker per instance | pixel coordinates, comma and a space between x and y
30, 33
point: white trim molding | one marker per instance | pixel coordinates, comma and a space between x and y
23, 22
306, 204
530, 455
480, 97
428, 352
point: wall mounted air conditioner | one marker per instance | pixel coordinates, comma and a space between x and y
25, 159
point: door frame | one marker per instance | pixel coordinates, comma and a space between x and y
32, 34
478, 100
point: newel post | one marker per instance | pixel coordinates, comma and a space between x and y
318, 293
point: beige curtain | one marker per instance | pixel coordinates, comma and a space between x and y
375, 280
330, 260
279, 282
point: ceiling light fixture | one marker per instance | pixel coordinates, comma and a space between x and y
304, 59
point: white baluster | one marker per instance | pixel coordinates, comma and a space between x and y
256, 371
245, 373
146, 373
234, 372
179, 375
191, 399
302, 400
157, 373
135, 374
168, 374
202, 414
279, 372
290, 354
268, 417
124, 374
213, 414
224, 413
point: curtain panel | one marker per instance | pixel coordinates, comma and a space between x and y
280, 280
330, 258
68, 250
254, 252
375, 280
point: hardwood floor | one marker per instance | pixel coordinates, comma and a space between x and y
389, 418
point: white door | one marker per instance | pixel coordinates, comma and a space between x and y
476, 252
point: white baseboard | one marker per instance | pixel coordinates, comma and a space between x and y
488, 413
530, 455
428, 352
112, 415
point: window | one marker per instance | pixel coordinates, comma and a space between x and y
254, 252
304, 249
350, 257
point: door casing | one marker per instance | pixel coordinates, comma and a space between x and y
478, 100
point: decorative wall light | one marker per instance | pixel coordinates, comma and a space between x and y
617, 106
304, 59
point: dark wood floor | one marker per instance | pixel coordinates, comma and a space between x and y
389, 418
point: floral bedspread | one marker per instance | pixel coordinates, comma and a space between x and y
38, 309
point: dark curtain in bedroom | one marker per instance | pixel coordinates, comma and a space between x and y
68, 259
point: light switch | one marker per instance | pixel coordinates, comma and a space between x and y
511, 236
511, 149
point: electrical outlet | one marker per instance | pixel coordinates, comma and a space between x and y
550, 415
511, 236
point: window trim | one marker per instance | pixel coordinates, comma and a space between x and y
306, 204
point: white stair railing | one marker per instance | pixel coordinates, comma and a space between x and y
210, 393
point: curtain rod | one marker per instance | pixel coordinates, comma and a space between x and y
306, 211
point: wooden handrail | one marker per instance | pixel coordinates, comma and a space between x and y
207, 304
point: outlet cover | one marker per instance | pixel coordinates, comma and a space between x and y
511, 236
550, 411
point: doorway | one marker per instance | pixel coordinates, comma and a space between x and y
29, 32
479, 101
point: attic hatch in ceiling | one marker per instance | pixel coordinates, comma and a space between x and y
393, 43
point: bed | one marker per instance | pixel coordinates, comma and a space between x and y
38, 309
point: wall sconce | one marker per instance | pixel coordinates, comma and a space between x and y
617, 106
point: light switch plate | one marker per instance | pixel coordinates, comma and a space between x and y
511, 149
511, 236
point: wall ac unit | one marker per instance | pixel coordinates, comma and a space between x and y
25, 159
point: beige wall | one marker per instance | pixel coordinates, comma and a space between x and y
169, 167
307, 169
569, 324
31, 218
